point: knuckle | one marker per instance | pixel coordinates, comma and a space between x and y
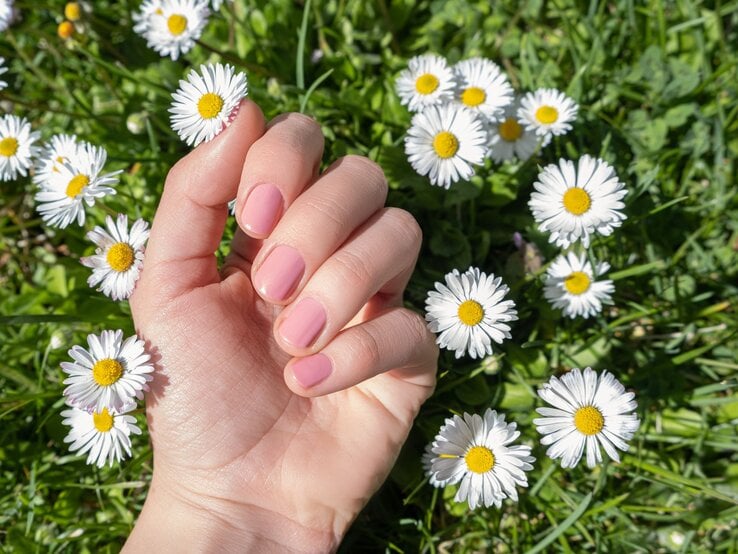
332, 213
368, 171
406, 227
297, 127
415, 325
353, 269
366, 347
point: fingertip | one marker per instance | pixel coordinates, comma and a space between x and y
304, 376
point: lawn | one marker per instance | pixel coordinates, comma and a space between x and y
657, 87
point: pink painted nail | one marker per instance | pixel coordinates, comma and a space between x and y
280, 273
304, 323
263, 206
312, 370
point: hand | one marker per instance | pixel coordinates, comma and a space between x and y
287, 381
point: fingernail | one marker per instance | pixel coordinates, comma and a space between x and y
263, 206
304, 323
280, 273
312, 370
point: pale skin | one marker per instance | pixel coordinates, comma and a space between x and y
255, 450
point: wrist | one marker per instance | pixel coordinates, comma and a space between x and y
176, 521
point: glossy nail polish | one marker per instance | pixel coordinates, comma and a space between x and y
280, 273
304, 323
312, 370
263, 207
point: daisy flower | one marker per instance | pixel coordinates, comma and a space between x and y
105, 435
547, 112
16, 147
509, 140
469, 313
482, 87
207, 102
118, 257
445, 142
3, 69
477, 452
573, 203
427, 461
6, 14
571, 285
589, 411
108, 375
427, 81
60, 201
59, 150
171, 27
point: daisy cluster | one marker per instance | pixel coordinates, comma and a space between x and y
464, 114
468, 112
106, 378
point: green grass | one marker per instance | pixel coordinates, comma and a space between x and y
657, 82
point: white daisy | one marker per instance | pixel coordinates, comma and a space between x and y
574, 203
508, 139
571, 285
60, 201
482, 87
427, 461
477, 453
547, 112
207, 102
588, 411
427, 81
445, 142
142, 17
110, 374
469, 313
6, 14
171, 27
105, 434
16, 147
118, 257
3, 69
59, 150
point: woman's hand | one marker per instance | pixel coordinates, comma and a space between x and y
287, 380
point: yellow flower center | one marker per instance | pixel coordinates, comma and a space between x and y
177, 23
471, 313
120, 257
589, 420
547, 115
105, 372
72, 11
65, 29
76, 184
577, 282
577, 201
445, 144
426, 83
8, 146
103, 420
473, 96
209, 105
479, 459
510, 130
